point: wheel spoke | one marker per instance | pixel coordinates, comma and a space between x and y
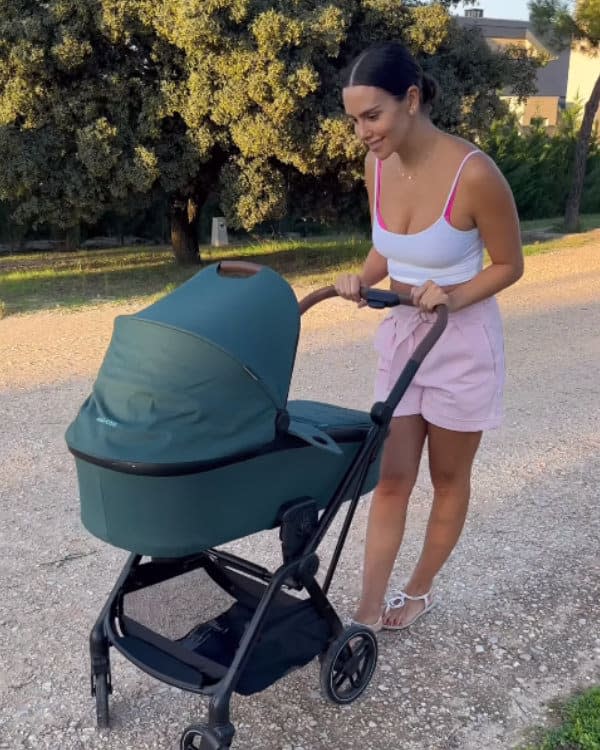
355, 680
363, 650
339, 679
361, 669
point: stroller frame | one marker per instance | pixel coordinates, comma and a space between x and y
348, 654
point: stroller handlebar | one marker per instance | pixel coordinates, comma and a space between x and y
379, 298
376, 298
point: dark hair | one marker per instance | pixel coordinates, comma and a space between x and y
391, 67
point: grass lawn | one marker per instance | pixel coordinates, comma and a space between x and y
588, 221
580, 728
41, 281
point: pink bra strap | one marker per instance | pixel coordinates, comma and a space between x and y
453, 189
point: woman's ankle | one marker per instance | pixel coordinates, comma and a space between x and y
368, 612
418, 586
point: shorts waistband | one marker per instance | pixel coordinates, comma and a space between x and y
471, 312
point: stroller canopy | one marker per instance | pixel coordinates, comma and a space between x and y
201, 374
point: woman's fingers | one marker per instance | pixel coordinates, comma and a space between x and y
348, 287
417, 293
428, 296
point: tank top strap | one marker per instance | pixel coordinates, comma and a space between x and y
452, 194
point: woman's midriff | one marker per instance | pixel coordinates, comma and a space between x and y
401, 288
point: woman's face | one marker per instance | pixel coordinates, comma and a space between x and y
380, 120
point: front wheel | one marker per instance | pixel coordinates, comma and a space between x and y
348, 665
200, 737
102, 691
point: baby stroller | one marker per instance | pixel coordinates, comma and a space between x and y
188, 441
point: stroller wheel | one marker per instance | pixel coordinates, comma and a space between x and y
348, 665
200, 737
101, 691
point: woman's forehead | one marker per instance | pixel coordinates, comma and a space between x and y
360, 99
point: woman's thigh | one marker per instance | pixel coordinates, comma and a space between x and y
451, 455
403, 449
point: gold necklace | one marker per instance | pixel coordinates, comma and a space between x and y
410, 177
405, 175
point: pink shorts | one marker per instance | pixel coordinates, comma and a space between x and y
459, 386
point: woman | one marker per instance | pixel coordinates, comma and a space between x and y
436, 202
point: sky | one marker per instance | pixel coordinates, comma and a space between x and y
506, 9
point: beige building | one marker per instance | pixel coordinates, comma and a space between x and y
568, 77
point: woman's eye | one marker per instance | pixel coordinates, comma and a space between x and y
373, 116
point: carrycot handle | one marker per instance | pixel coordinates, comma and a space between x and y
238, 268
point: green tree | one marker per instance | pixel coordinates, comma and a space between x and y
71, 135
562, 26
276, 95
106, 104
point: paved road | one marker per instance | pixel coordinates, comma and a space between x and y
518, 621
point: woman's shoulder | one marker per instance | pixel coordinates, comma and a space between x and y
456, 148
369, 161
478, 167
369, 167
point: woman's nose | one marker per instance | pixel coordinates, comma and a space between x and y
363, 131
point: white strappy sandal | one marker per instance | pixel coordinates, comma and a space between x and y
397, 601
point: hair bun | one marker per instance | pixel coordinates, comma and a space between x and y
429, 89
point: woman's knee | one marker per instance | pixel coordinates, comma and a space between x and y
395, 488
451, 457
450, 481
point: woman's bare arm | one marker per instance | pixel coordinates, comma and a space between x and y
375, 267
495, 215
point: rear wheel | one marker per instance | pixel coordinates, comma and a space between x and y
348, 665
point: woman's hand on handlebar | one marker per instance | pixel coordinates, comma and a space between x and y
348, 287
429, 295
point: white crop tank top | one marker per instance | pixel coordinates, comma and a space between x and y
440, 253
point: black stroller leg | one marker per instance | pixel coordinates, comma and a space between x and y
100, 672
101, 680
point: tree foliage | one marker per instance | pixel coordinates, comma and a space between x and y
71, 115
105, 104
538, 165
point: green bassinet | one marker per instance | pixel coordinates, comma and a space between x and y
187, 440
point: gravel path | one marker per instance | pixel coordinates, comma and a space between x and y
518, 621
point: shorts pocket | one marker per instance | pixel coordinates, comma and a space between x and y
384, 340
495, 341
477, 349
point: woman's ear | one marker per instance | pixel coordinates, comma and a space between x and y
413, 99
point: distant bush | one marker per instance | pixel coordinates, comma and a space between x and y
538, 164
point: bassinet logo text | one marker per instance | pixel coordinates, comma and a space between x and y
109, 422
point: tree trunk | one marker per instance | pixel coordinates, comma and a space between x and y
581, 152
184, 230
73, 238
